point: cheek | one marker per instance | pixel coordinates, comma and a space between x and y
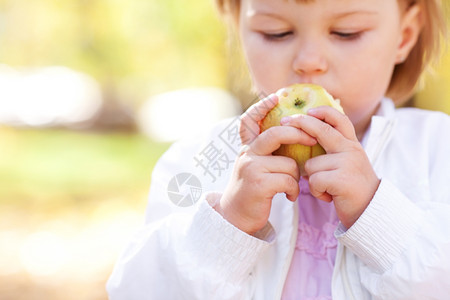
365, 84
267, 67
372, 78
254, 56
370, 70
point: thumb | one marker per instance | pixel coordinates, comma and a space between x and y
249, 125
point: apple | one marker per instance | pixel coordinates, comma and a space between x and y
298, 99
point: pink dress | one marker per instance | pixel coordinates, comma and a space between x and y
309, 276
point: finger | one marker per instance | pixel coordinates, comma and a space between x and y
271, 139
320, 185
249, 125
336, 119
320, 163
280, 164
283, 183
327, 136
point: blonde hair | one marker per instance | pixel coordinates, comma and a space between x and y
406, 76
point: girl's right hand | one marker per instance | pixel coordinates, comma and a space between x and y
258, 175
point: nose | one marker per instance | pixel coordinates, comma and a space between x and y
310, 59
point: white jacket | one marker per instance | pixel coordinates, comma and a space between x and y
398, 249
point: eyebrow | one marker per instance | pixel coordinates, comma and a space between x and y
337, 15
302, 1
355, 12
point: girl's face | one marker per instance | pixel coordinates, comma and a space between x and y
350, 47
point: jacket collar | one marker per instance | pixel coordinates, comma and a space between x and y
386, 109
380, 131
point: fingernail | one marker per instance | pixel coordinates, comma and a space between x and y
285, 120
312, 111
270, 98
267, 97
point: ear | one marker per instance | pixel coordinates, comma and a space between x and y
411, 26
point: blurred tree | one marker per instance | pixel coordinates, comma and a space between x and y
137, 48
133, 47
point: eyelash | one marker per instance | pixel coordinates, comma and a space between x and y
276, 36
347, 36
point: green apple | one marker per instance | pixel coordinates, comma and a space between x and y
298, 99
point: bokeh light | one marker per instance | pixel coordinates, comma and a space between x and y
173, 115
48, 97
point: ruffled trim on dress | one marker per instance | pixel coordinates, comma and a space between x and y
316, 242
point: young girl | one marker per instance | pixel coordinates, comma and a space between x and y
371, 218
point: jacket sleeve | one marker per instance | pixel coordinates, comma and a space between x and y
186, 252
402, 240
403, 247
187, 257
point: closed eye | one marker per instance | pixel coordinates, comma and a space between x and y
347, 35
276, 36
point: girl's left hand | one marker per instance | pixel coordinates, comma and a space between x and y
344, 174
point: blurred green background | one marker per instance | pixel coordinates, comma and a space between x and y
69, 199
